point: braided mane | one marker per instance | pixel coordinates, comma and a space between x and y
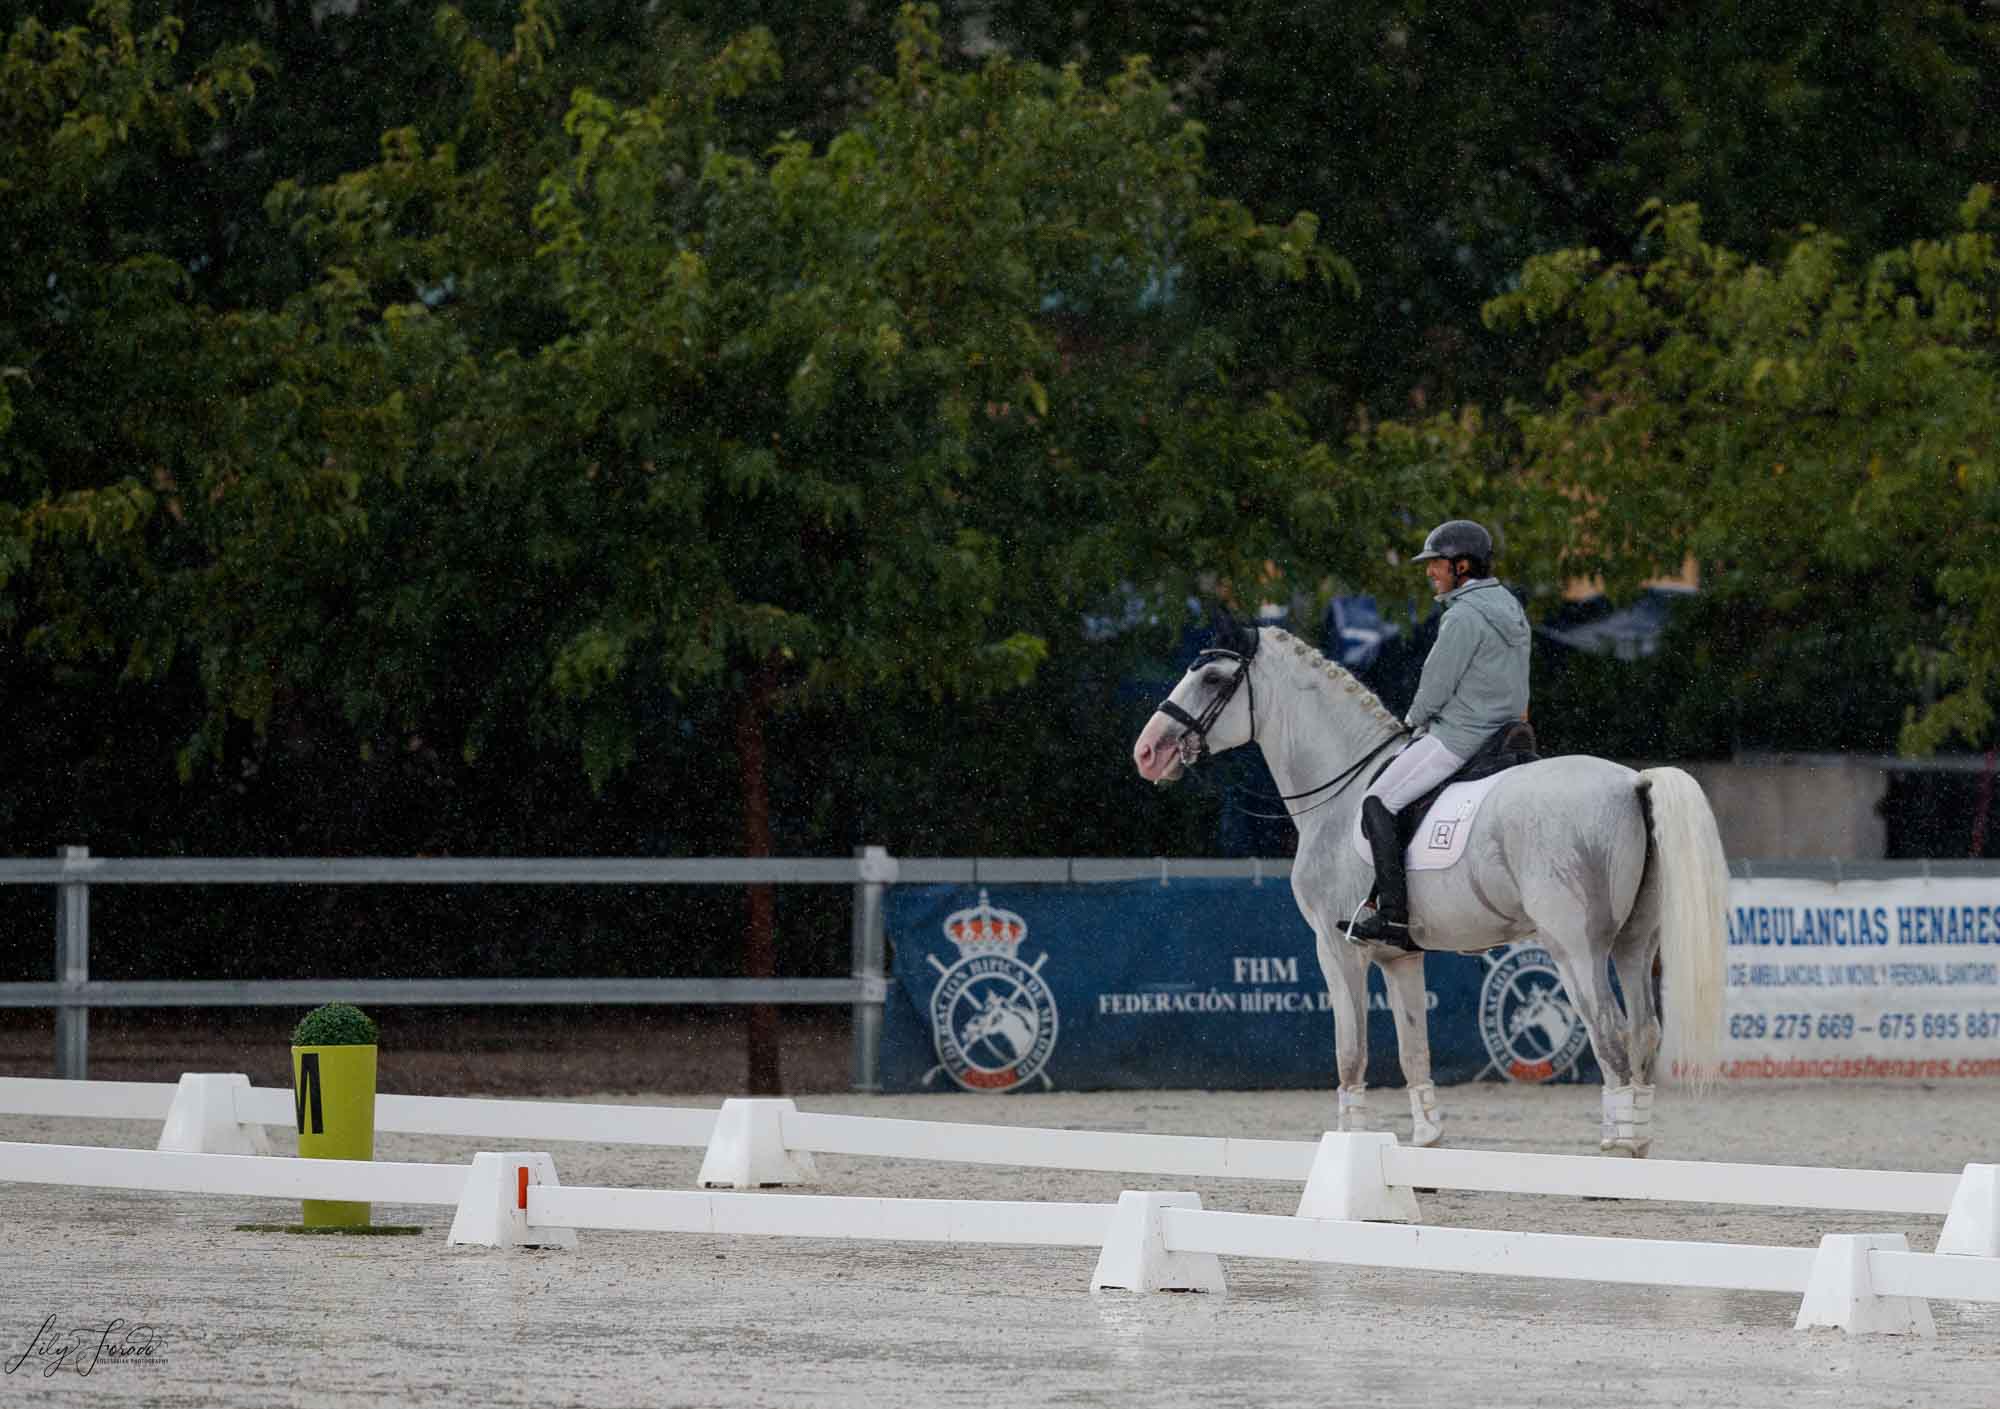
1339, 675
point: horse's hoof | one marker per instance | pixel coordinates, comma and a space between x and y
1424, 1137
1624, 1149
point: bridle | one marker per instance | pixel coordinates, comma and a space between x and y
1193, 742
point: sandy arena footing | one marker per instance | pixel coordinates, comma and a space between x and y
258, 1319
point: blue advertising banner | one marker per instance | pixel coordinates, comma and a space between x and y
1211, 984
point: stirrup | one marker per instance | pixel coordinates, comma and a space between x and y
1375, 930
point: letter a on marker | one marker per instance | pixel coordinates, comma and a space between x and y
309, 1083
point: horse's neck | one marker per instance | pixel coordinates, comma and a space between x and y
1312, 727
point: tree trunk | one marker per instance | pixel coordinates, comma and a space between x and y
760, 945
1985, 806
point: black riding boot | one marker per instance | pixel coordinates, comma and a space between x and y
1389, 923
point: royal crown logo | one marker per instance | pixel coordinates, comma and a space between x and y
993, 1017
981, 929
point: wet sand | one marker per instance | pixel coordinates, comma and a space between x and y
255, 1319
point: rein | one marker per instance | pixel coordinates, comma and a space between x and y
1343, 778
1193, 742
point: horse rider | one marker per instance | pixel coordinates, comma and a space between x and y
1475, 683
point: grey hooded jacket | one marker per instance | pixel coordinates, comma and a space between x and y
1475, 679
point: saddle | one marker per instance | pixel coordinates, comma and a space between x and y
1505, 748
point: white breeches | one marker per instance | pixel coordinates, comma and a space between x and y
1414, 772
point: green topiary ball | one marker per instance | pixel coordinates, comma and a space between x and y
335, 1025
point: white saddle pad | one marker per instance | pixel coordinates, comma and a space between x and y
1440, 841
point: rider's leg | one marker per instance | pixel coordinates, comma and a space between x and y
1414, 772
1393, 887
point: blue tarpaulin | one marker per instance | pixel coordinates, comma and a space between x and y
1211, 984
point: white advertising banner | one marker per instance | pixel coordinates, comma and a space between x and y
1863, 980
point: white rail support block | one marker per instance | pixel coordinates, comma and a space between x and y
1135, 1256
203, 1120
1973, 1225
747, 1150
1347, 1181
493, 1210
1840, 1290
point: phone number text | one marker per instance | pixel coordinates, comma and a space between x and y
1974, 1024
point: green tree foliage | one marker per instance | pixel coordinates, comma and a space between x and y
1822, 436
1445, 144
788, 426
595, 429
91, 312
582, 386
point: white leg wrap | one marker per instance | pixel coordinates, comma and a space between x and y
1628, 1120
1426, 1125
1353, 1109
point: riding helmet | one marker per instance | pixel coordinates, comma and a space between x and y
1459, 538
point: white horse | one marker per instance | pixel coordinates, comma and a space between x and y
1561, 849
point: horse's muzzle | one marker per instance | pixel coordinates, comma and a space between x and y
1157, 752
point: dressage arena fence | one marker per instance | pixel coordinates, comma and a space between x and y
1358, 1205
73, 873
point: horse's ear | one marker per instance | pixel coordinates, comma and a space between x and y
1231, 634
1226, 628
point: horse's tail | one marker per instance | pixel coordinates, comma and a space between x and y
1694, 921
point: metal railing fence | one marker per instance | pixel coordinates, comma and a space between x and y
73, 871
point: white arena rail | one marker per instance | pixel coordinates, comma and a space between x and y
254, 1176
1191, 1156
103, 1100
822, 1216
1167, 1241
1147, 1241
792, 1133
1368, 1176
1931, 1274
1866, 1283
473, 1117
493, 1119
1680, 1181
1427, 1248
769, 1143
